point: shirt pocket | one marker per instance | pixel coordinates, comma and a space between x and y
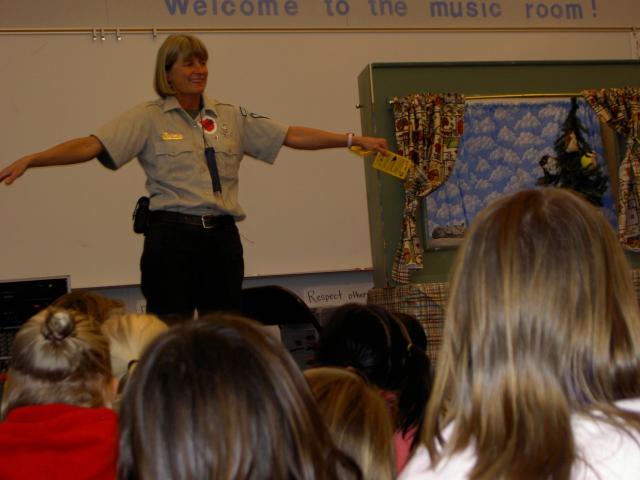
228, 156
175, 160
172, 149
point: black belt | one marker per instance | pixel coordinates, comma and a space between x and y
204, 221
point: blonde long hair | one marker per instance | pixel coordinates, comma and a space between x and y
358, 418
542, 322
128, 337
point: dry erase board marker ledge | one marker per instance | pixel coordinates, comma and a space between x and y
249, 277
315, 272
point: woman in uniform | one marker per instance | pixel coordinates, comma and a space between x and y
190, 147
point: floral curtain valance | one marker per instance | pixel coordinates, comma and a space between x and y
428, 129
620, 109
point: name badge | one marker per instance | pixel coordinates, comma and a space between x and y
168, 136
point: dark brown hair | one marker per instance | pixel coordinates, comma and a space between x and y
374, 342
219, 399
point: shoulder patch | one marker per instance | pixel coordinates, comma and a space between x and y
244, 113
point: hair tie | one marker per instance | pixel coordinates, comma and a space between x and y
409, 346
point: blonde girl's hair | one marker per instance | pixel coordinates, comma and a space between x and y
542, 322
358, 418
128, 337
58, 356
173, 48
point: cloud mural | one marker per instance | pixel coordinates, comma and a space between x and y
527, 139
478, 144
506, 135
499, 173
521, 180
499, 154
473, 203
551, 131
500, 114
552, 113
528, 122
486, 125
532, 155
482, 166
451, 189
505, 156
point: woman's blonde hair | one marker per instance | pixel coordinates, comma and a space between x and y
175, 47
128, 336
542, 322
358, 419
58, 356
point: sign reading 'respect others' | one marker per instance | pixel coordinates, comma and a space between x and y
335, 295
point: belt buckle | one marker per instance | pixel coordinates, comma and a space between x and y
205, 224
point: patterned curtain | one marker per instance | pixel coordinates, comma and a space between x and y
428, 129
620, 109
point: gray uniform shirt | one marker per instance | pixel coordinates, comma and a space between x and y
169, 145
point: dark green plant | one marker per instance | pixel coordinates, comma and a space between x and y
574, 165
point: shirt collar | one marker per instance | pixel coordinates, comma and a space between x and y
171, 103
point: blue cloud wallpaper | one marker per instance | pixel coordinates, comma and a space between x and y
499, 152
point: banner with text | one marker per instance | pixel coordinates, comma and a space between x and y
318, 14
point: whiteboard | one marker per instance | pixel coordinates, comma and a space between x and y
306, 213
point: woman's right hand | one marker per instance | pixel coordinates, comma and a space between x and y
10, 173
73, 151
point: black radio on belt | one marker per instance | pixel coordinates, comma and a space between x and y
141, 215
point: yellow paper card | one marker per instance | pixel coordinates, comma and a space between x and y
392, 164
361, 151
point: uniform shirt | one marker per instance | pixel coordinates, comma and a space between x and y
170, 145
610, 453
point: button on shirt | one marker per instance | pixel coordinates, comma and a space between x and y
169, 145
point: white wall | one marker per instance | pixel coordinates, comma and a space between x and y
305, 214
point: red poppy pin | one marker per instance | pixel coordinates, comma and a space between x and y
209, 124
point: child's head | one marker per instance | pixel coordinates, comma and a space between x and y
97, 306
542, 290
542, 323
358, 418
373, 341
414, 329
128, 336
58, 356
219, 398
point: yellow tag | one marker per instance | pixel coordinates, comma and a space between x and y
172, 136
393, 164
361, 151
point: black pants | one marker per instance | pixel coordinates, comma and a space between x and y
187, 267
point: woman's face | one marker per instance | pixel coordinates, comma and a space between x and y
188, 76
